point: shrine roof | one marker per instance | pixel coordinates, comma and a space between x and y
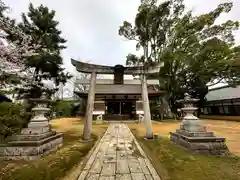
123, 89
103, 69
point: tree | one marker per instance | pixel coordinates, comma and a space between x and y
15, 45
201, 53
47, 63
152, 29
142, 33
196, 52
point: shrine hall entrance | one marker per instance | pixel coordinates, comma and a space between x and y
119, 110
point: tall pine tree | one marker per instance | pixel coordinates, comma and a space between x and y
47, 63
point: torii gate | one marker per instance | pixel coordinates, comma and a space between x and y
118, 71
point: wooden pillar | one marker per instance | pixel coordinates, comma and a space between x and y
90, 105
223, 108
105, 109
120, 108
233, 107
146, 109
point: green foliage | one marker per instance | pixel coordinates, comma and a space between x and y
196, 52
47, 63
12, 118
200, 53
132, 60
8, 78
63, 108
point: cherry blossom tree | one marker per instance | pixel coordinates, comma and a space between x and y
15, 45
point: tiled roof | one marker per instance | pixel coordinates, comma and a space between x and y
121, 89
103, 69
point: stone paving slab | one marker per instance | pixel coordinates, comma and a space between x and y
118, 156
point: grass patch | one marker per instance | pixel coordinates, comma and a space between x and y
175, 163
228, 129
57, 164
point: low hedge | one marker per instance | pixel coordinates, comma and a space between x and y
62, 108
13, 117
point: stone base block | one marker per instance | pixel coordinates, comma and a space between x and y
202, 145
195, 134
31, 137
36, 130
30, 149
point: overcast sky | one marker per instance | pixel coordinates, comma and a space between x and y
91, 26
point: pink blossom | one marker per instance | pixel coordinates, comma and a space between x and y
13, 53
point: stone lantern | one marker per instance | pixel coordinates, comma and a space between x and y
35, 140
193, 135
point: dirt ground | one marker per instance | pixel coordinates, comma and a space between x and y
228, 129
73, 124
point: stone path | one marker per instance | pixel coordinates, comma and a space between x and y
118, 156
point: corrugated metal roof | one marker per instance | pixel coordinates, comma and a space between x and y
223, 93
